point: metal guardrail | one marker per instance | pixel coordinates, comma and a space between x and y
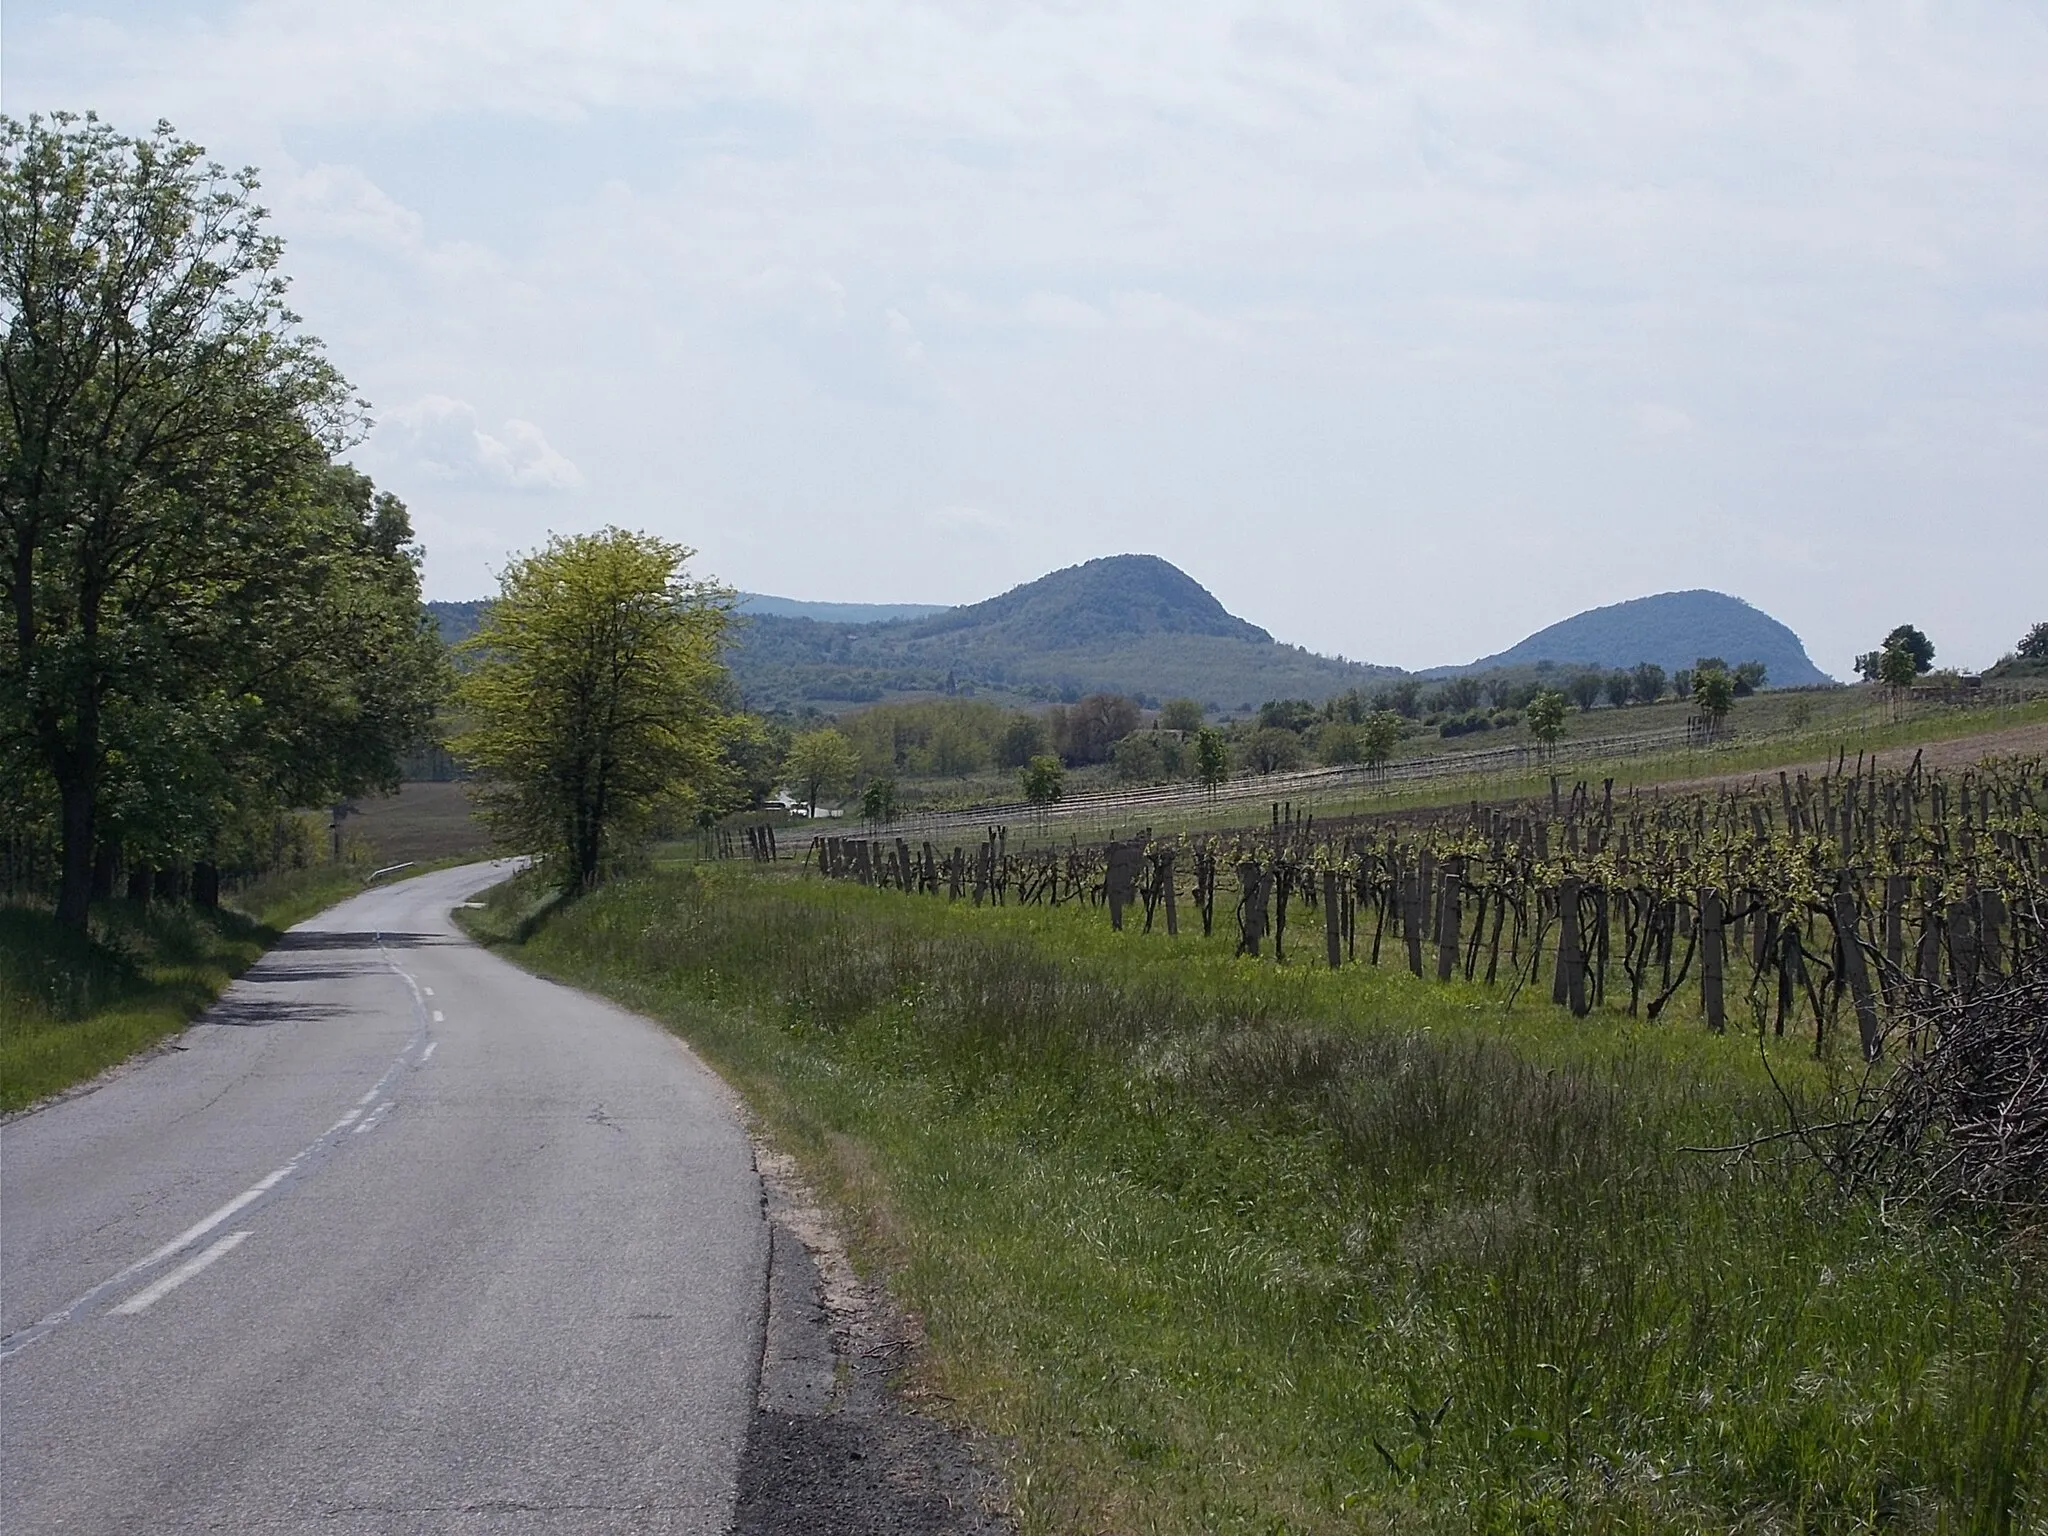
388, 869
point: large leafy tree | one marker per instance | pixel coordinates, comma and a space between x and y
171, 526
595, 695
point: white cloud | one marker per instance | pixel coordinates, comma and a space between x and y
445, 440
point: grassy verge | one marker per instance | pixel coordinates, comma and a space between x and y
1216, 1245
72, 1005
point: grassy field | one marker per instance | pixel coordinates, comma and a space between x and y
424, 822
1210, 1245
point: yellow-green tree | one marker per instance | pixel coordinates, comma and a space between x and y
821, 763
594, 689
1546, 717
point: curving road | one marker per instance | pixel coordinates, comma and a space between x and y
399, 1238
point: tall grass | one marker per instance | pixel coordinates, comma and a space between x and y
73, 1004
1220, 1246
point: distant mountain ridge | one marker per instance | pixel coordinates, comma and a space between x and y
1672, 629
1138, 625
834, 613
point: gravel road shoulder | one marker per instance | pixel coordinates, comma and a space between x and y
834, 1446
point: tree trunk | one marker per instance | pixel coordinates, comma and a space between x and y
74, 887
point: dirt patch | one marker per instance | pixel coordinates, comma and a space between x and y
1959, 752
834, 1445
422, 822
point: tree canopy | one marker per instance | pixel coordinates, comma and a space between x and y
821, 763
596, 697
209, 617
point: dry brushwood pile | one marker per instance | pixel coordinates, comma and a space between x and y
1963, 1119
1860, 891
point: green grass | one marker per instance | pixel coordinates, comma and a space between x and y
1215, 1245
72, 1005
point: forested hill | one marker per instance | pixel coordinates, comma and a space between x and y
1137, 625
1672, 629
1130, 624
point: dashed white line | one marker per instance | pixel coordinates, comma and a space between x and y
432, 1046
366, 1098
429, 991
148, 1297
437, 1017
376, 1115
345, 1121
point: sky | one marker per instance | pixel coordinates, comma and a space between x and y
1405, 329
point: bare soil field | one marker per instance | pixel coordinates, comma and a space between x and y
422, 822
1958, 752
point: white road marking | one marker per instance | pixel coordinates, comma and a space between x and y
429, 991
437, 1017
144, 1299
376, 1115
14, 1343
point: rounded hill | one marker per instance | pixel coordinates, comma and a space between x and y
1118, 597
1672, 629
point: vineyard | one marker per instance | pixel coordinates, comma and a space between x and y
1784, 905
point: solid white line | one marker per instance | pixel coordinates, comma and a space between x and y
437, 1017
432, 1046
144, 1299
344, 1122
367, 1097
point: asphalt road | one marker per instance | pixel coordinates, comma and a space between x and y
403, 1239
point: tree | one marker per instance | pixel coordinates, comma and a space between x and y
1379, 735
1649, 682
1584, 689
1748, 676
822, 764
1137, 758
1212, 760
1897, 666
1085, 732
878, 801
1461, 693
1338, 744
593, 688
1905, 638
1621, 687
2033, 644
165, 492
1681, 682
1045, 780
1713, 690
1546, 715
1272, 749
1403, 698
1023, 738
1287, 714
752, 752
1181, 715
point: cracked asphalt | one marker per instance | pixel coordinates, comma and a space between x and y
398, 1239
